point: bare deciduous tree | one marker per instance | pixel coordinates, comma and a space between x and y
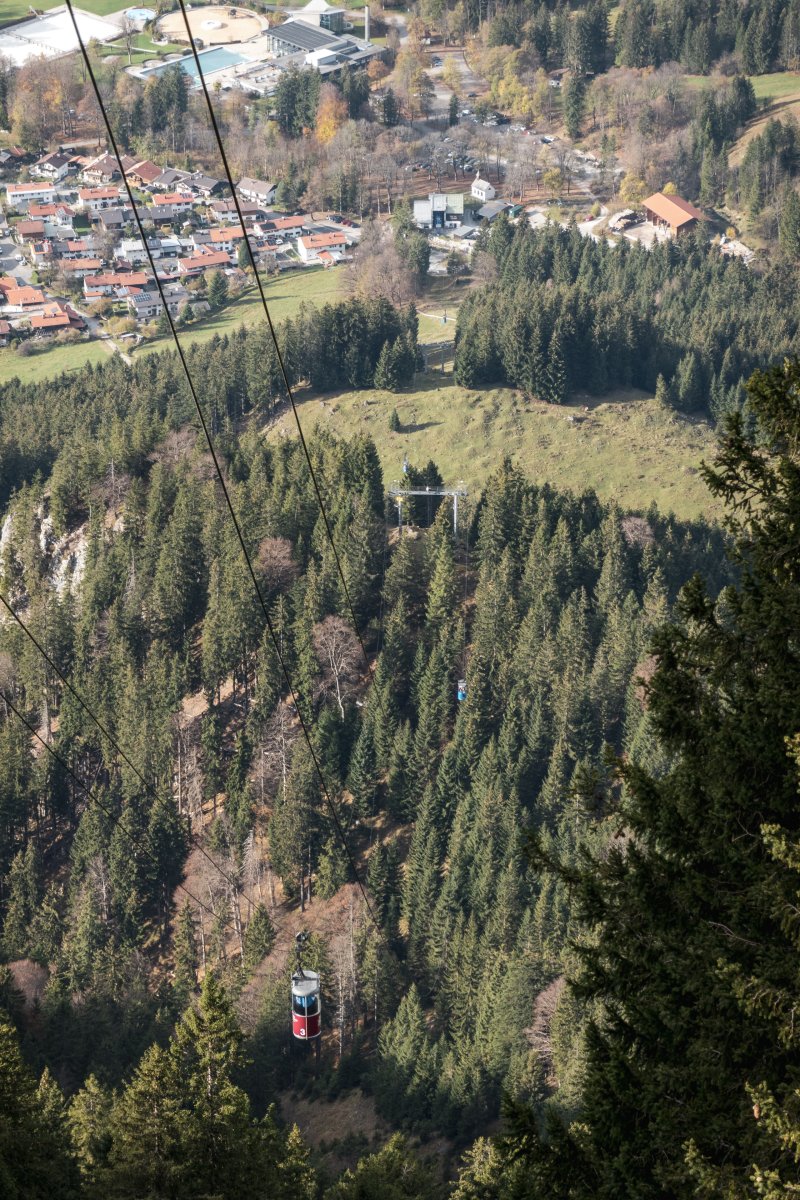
338, 652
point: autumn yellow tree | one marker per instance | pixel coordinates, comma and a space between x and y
451, 76
331, 112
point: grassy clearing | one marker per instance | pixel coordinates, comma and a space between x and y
143, 48
47, 363
284, 296
101, 8
624, 447
17, 10
776, 86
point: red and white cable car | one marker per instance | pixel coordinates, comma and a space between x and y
306, 997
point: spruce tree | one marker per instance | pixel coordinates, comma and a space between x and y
259, 937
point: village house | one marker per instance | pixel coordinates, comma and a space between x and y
198, 184
257, 191
107, 282
284, 224
142, 172
28, 231
196, 264
5, 333
177, 203
54, 214
53, 166
101, 170
167, 180
132, 250
671, 213
147, 306
18, 195
95, 199
310, 246
114, 220
482, 190
56, 316
18, 299
77, 268
226, 238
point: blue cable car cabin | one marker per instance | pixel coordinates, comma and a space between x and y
461, 692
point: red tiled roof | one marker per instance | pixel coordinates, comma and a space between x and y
23, 296
227, 233
82, 264
56, 321
99, 193
672, 209
315, 241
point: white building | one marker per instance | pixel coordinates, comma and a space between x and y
319, 12
52, 166
314, 245
257, 191
20, 194
439, 210
95, 199
482, 190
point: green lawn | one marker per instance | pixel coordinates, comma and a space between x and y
625, 447
16, 10
284, 296
766, 87
47, 363
776, 86
143, 48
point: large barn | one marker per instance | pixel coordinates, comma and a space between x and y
671, 212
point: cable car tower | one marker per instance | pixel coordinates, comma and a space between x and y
306, 996
400, 492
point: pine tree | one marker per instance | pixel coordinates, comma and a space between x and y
789, 223
217, 290
91, 1132
185, 956
574, 103
386, 370
259, 937
35, 1162
221, 1141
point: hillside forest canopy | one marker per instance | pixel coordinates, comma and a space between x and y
537, 856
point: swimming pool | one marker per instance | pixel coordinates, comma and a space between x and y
140, 14
210, 60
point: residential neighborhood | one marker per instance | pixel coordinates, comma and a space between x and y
75, 264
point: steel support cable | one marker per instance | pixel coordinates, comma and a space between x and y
149, 787
88, 792
212, 451
281, 363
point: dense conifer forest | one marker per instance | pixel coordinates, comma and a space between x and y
568, 313
580, 878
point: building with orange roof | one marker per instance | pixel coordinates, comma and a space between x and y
671, 212
209, 260
21, 193
107, 283
24, 297
310, 246
95, 199
81, 266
